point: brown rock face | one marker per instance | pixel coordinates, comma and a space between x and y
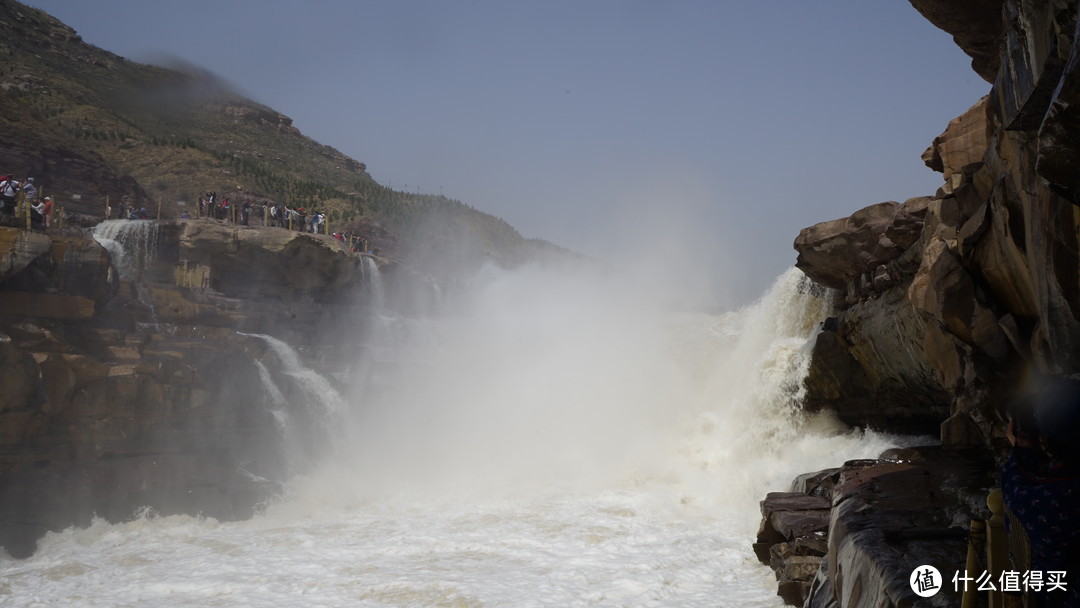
963, 143
124, 393
950, 321
975, 26
851, 536
836, 253
792, 540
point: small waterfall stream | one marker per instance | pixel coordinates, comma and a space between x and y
132, 244
373, 282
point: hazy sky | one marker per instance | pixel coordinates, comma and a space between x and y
705, 134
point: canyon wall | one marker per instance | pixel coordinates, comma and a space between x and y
132, 379
946, 305
951, 301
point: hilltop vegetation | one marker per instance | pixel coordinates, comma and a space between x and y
89, 124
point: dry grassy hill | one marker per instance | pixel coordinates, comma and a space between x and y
88, 124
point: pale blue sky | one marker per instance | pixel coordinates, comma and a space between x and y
710, 132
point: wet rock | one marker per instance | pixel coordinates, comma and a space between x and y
884, 518
871, 368
820, 483
891, 517
792, 538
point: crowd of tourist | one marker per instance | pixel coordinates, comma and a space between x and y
278, 214
15, 193
17, 196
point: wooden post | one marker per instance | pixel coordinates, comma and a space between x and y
997, 544
23, 202
159, 209
108, 209
290, 219
976, 545
266, 215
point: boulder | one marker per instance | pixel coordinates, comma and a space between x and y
837, 252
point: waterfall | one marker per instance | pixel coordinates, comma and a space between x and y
373, 282
277, 402
319, 397
542, 379
747, 427
553, 434
131, 244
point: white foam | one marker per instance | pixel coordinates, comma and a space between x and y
563, 451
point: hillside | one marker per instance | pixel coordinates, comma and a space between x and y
87, 124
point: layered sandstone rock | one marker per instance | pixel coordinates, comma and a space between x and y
127, 392
851, 536
836, 254
940, 325
934, 333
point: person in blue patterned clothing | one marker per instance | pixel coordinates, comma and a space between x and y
1040, 483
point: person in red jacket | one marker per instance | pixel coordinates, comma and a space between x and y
48, 211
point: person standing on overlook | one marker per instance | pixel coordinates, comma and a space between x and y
48, 211
9, 192
30, 191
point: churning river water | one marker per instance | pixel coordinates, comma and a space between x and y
528, 451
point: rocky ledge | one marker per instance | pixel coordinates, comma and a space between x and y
852, 536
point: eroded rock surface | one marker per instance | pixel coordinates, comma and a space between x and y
128, 392
933, 334
851, 536
936, 324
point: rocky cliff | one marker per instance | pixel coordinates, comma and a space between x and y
950, 299
127, 382
947, 304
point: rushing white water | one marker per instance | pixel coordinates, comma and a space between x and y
373, 282
129, 242
550, 445
321, 395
